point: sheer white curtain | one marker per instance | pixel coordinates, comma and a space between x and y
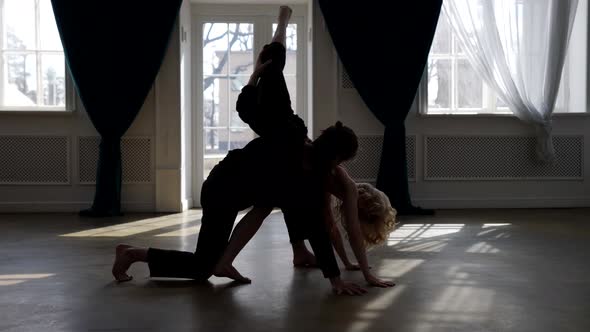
518, 47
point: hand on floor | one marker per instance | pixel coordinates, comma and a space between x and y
376, 282
347, 288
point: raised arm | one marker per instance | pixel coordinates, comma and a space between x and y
247, 103
336, 237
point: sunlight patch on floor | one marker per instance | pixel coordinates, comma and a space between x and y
463, 300
14, 279
151, 224
483, 248
418, 237
423, 246
193, 230
184, 231
376, 308
396, 268
495, 225
140, 226
434, 237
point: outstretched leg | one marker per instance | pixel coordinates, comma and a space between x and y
302, 257
280, 35
216, 226
273, 94
265, 103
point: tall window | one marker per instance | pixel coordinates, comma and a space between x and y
229, 54
454, 87
32, 69
228, 61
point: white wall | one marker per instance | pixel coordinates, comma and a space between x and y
186, 93
159, 120
74, 196
165, 118
332, 102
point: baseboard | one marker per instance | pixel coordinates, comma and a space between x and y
40, 207
455, 203
196, 204
187, 203
500, 203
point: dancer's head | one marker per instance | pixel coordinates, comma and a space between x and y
336, 144
376, 216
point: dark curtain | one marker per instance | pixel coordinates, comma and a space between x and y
384, 49
113, 51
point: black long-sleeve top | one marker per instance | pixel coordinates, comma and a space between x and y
280, 145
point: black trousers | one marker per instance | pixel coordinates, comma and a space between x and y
269, 111
274, 100
275, 104
223, 195
295, 222
216, 227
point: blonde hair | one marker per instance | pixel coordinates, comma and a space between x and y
375, 213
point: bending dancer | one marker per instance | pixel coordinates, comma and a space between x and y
253, 175
375, 219
364, 212
266, 173
265, 101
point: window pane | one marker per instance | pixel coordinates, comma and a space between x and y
19, 18
209, 162
49, 33
469, 86
241, 137
441, 44
291, 42
500, 103
215, 102
241, 133
215, 48
439, 83
236, 85
291, 39
54, 84
20, 72
215, 141
292, 86
241, 39
562, 103
457, 47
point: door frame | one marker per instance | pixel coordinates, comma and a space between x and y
259, 15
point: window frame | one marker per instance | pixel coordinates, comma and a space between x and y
261, 16
70, 93
488, 95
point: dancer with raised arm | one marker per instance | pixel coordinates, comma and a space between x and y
266, 173
263, 103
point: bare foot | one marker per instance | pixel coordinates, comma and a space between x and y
228, 271
304, 259
285, 13
122, 263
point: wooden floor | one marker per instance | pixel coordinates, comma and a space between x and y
474, 270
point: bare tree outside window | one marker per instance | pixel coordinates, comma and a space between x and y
228, 61
34, 63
